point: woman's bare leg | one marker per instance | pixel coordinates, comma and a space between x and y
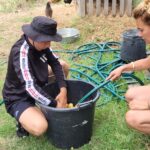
139, 120
135, 92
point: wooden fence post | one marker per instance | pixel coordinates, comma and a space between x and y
90, 7
122, 7
114, 8
98, 7
81, 4
106, 7
129, 8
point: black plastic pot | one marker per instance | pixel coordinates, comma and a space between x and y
71, 127
133, 46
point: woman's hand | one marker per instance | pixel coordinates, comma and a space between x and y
62, 98
115, 74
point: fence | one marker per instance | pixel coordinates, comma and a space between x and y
98, 7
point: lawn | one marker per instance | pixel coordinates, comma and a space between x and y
110, 131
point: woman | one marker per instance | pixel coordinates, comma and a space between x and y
138, 98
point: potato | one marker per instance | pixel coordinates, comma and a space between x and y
70, 105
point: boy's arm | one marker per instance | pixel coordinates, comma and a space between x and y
56, 68
24, 72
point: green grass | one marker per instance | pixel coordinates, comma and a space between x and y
136, 2
11, 5
110, 131
15, 5
25, 19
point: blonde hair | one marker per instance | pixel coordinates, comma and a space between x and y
142, 11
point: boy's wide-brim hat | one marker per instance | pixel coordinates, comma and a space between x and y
42, 29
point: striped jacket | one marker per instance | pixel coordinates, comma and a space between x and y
27, 73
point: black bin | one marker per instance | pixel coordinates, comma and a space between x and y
71, 127
133, 46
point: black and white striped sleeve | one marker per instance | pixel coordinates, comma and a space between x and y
22, 68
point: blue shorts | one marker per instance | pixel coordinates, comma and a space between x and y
19, 107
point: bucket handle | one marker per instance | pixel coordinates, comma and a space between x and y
84, 104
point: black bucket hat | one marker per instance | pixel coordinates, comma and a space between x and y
42, 29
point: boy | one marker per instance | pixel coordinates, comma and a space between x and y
27, 73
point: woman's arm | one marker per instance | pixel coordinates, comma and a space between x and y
141, 64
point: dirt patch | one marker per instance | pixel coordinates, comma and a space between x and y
93, 29
11, 27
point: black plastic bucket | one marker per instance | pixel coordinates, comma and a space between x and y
133, 46
71, 127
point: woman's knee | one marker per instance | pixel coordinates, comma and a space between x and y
129, 94
136, 92
131, 119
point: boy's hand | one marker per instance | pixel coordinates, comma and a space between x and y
62, 98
